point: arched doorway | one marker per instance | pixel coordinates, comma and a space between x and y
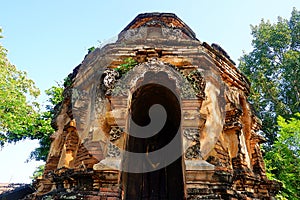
161, 182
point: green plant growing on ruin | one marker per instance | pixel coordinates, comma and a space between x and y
67, 81
91, 49
129, 63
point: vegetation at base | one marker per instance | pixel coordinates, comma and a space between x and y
273, 68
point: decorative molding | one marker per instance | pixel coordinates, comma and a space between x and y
133, 34
172, 34
113, 151
191, 84
196, 79
192, 133
187, 91
169, 33
109, 80
119, 90
193, 152
115, 133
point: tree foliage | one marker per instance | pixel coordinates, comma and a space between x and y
283, 160
273, 68
18, 109
55, 97
20, 114
38, 172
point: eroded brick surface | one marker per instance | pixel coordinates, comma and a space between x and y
219, 130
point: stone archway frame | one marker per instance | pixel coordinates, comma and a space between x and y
122, 95
212, 106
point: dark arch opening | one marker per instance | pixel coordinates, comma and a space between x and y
159, 183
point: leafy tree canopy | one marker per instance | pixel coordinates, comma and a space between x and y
283, 160
55, 98
18, 109
273, 68
20, 114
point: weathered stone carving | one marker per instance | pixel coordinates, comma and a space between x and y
192, 133
120, 90
197, 80
187, 91
113, 151
133, 34
172, 34
115, 133
194, 86
110, 77
193, 152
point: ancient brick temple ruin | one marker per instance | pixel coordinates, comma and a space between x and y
208, 145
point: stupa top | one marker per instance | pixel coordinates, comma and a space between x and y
156, 19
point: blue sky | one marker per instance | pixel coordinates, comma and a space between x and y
49, 38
